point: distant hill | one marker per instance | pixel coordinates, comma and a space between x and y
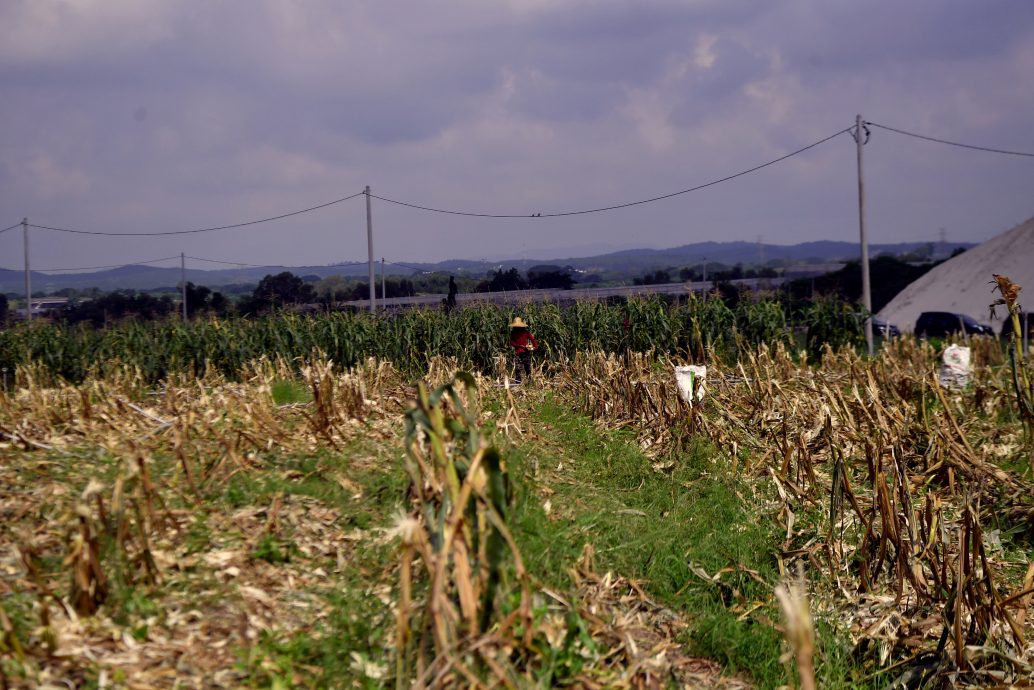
151, 278
731, 253
622, 264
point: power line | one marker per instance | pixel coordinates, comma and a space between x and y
951, 143
241, 263
189, 232
169, 258
617, 206
412, 268
97, 268
10, 228
228, 263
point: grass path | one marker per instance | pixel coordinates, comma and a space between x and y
667, 523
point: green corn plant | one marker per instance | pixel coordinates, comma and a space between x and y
831, 321
714, 322
1010, 293
473, 336
457, 534
761, 322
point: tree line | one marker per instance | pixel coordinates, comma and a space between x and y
285, 290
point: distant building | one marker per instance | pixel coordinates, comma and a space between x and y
43, 306
810, 270
961, 285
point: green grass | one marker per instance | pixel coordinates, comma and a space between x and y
274, 550
287, 391
356, 631
654, 526
644, 524
650, 526
382, 486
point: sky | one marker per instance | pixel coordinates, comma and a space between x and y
161, 115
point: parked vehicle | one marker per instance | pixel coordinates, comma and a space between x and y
884, 329
1026, 322
938, 324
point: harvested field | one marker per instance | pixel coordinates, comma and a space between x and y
305, 524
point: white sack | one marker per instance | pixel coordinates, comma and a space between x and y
955, 368
691, 380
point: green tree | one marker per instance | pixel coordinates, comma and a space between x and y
219, 304
334, 289
277, 291
197, 298
201, 299
888, 277
501, 281
658, 277
120, 305
551, 277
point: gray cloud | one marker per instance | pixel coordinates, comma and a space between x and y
152, 114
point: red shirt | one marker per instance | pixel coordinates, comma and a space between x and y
521, 338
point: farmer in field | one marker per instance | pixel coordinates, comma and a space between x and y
523, 343
452, 293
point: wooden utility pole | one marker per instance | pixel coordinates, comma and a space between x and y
384, 289
183, 282
1026, 334
703, 270
28, 275
860, 138
369, 242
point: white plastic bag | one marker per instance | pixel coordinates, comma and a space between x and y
955, 368
691, 381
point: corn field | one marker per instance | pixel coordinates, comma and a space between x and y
474, 336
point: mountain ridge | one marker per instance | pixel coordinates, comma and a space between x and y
617, 265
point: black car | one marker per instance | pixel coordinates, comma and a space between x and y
884, 329
1026, 320
938, 324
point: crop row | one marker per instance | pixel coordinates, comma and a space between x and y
474, 336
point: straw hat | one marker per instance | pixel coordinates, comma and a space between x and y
518, 323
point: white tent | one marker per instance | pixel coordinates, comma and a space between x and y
963, 284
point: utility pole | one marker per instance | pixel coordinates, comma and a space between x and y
861, 131
703, 271
369, 242
384, 289
183, 282
1026, 334
28, 276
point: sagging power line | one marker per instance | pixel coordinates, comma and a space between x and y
860, 127
65, 269
412, 268
228, 263
950, 143
197, 230
247, 265
99, 268
616, 206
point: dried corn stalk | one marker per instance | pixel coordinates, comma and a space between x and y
458, 537
904, 467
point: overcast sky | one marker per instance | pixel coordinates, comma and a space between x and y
152, 115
